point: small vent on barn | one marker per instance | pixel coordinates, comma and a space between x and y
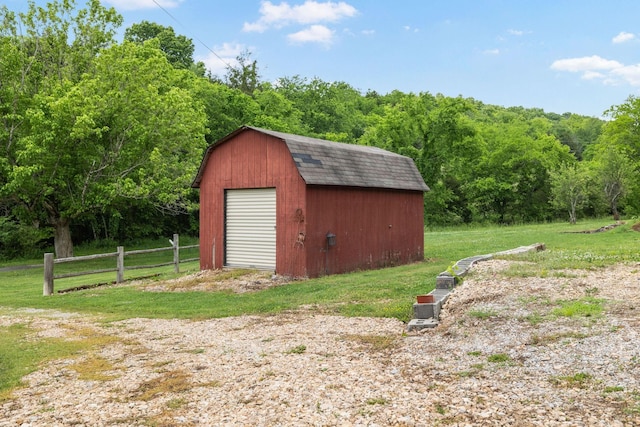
306, 159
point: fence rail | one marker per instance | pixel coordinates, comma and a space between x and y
120, 268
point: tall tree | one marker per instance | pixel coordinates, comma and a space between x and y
615, 170
569, 188
130, 129
330, 110
178, 48
622, 135
512, 181
623, 130
43, 52
244, 75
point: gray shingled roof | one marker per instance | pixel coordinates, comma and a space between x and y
322, 162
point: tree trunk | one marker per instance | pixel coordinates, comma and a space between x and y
62, 238
614, 210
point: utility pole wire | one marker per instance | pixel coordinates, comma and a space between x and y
200, 41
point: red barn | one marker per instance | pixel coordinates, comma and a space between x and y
307, 207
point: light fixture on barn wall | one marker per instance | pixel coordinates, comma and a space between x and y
331, 240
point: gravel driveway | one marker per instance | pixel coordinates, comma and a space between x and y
504, 354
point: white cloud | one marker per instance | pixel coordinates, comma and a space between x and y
610, 72
630, 73
143, 4
515, 32
586, 63
368, 32
623, 37
491, 52
593, 75
310, 12
228, 52
313, 34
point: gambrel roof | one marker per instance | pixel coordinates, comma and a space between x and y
322, 162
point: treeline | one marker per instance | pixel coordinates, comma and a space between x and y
100, 139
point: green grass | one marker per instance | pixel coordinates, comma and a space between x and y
483, 313
498, 358
299, 349
584, 307
21, 353
578, 380
380, 293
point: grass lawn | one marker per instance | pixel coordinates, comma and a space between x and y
377, 293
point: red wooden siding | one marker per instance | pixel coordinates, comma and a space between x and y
253, 160
374, 228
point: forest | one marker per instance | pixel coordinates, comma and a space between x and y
100, 138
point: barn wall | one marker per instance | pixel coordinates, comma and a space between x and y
374, 228
253, 160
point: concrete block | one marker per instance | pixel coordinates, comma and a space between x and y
440, 295
446, 281
418, 324
425, 311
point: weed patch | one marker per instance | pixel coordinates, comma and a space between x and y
377, 401
498, 358
297, 349
374, 342
483, 313
552, 338
534, 318
94, 368
169, 382
584, 307
578, 380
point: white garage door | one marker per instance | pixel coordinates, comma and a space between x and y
250, 222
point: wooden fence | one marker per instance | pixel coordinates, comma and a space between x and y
119, 255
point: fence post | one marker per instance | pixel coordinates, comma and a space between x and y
120, 265
176, 253
47, 287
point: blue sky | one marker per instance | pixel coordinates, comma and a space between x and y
559, 55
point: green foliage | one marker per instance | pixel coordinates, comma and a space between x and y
327, 109
615, 171
617, 157
569, 188
245, 75
70, 138
99, 128
177, 48
17, 240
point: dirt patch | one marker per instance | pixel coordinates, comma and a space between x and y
602, 229
236, 281
636, 226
